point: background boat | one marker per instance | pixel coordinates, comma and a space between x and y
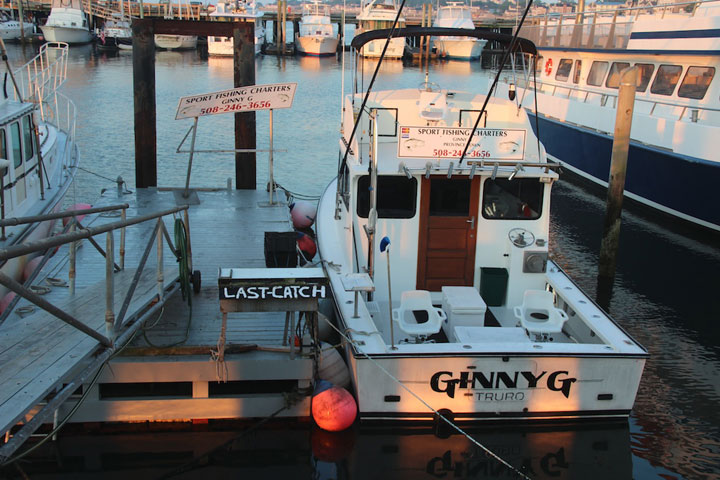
457, 15
67, 23
375, 15
236, 10
316, 35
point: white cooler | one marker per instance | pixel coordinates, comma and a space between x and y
464, 307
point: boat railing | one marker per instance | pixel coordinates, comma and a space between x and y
60, 111
122, 324
597, 29
43, 75
678, 111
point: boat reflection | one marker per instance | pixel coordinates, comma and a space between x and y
313, 64
587, 452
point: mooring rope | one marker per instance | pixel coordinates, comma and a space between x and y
436, 412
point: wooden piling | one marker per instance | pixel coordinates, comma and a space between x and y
144, 103
244, 74
618, 166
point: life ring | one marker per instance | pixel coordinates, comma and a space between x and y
548, 66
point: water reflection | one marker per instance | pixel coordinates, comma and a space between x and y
599, 452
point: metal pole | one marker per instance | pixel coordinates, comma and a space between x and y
160, 273
186, 193
189, 244
73, 250
110, 285
270, 165
12, 221
123, 218
392, 327
372, 216
618, 165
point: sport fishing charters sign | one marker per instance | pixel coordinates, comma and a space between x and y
449, 142
237, 100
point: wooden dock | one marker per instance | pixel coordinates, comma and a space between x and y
166, 372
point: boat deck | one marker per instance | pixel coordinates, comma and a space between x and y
178, 379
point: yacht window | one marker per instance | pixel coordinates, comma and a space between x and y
449, 198
696, 82
539, 64
578, 70
516, 199
613, 79
27, 138
16, 151
563, 70
3, 150
665, 80
646, 71
597, 73
396, 196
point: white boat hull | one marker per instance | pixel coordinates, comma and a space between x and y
221, 47
374, 48
10, 30
176, 42
461, 48
65, 34
316, 45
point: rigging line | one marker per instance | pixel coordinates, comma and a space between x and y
510, 48
446, 420
372, 82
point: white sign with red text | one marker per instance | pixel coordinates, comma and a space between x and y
449, 142
242, 99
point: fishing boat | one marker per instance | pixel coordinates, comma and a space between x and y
10, 28
673, 163
67, 23
437, 253
375, 15
38, 153
116, 34
316, 35
235, 10
457, 15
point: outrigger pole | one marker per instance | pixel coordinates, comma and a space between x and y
510, 48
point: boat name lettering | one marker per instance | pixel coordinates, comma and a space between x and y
462, 132
444, 382
280, 292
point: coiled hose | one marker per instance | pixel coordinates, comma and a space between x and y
181, 253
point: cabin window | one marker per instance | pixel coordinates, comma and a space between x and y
539, 64
449, 198
16, 151
516, 199
646, 71
3, 150
396, 196
696, 82
665, 80
563, 70
613, 79
27, 138
578, 71
597, 73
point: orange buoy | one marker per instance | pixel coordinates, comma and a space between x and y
333, 408
9, 297
77, 206
306, 245
31, 266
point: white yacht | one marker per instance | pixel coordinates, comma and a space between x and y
673, 161
375, 15
10, 27
438, 262
38, 153
176, 42
316, 35
67, 23
236, 10
457, 15
116, 33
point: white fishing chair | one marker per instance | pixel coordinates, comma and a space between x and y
418, 301
538, 314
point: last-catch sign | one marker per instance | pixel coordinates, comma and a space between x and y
242, 99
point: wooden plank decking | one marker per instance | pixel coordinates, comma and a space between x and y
39, 352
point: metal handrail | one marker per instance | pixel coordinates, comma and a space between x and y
113, 324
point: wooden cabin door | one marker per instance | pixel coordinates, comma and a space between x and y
448, 231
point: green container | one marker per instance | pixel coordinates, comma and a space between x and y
493, 285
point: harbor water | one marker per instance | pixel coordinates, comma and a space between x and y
666, 294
